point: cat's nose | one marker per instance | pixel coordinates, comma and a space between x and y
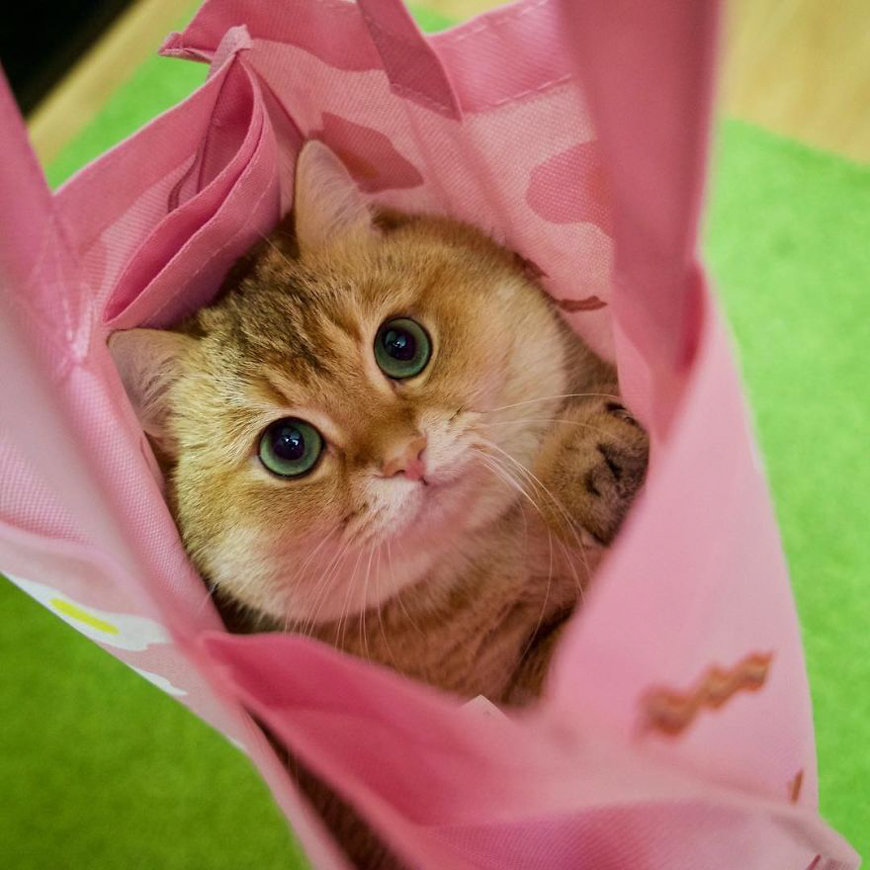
406, 457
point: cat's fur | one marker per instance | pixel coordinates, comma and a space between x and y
462, 580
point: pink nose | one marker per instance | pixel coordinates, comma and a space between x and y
406, 457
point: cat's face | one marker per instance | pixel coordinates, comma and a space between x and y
348, 416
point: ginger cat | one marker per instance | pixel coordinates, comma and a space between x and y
383, 435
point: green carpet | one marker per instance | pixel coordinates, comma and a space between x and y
100, 770
789, 243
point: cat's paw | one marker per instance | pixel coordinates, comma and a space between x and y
594, 463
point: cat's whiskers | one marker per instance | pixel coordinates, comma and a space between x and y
565, 517
301, 571
321, 594
531, 641
567, 558
502, 471
364, 638
581, 588
399, 598
544, 603
338, 568
380, 610
209, 596
364, 526
345, 614
554, 420
552, 398
354, 522
334, 573
353, 588
537, 483
300, 580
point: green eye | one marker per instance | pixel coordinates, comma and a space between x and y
290, 447
402, 348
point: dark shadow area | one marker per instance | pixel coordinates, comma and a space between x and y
41, 39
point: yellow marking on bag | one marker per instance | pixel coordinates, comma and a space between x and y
70, 609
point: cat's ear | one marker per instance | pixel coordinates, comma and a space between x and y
328, 205
148, 361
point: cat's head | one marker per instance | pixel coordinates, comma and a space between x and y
353, 407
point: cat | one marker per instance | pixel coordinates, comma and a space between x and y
383, 435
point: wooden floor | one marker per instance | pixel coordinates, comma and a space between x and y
797, 67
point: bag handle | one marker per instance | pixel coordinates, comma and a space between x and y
38, 283
647, 74
413, 67
38, 341
26, 207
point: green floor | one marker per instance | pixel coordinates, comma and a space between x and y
99, 770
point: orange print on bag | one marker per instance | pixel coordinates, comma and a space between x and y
671, 712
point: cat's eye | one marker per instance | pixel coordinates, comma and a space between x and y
290, 447
402, 348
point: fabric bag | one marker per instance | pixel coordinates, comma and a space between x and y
676, 731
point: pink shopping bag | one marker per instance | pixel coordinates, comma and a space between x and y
676, 731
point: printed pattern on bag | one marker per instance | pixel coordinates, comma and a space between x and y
671, 712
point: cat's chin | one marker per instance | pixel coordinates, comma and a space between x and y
446, 517
431, 526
